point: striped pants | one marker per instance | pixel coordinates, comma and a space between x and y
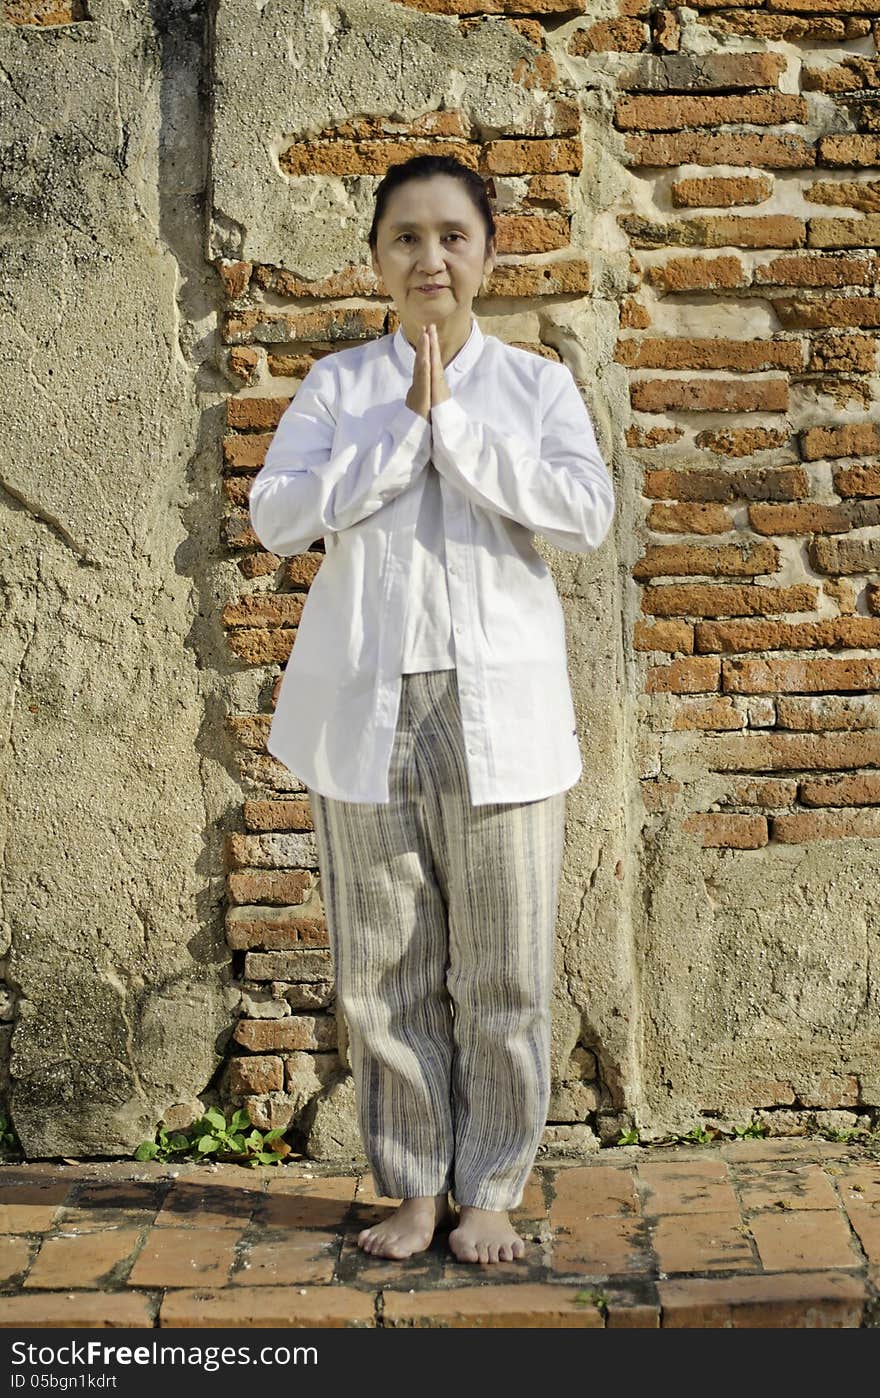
441, 917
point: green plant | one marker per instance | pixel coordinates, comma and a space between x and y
628, 1138
593, 1297
754, 1128
9, 1143
697, 1136
212, 1135
842, 1133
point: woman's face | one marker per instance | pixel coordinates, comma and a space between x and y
431, 235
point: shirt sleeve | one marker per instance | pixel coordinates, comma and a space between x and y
305, 489
564, 493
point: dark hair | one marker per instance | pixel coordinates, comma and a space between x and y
420, 167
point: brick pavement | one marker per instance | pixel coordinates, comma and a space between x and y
770, 1233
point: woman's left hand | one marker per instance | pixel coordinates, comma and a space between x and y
439, 386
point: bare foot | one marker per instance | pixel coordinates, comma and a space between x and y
409, 1229
485, 1235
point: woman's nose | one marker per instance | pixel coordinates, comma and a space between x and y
430, 258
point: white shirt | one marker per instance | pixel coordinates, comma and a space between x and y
428, 642
516, 455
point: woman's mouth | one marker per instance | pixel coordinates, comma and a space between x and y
431, 290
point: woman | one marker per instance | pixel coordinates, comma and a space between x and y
426, 706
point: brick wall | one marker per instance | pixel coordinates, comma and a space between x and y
747, 227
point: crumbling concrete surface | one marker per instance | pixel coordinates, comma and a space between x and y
114, 789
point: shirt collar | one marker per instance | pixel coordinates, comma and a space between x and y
467, 355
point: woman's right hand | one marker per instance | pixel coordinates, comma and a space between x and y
419, 396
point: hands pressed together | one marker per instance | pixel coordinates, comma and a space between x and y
429, 384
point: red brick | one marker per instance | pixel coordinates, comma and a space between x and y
278, 815
701, 1242
720, 191
263, 609
816, 714
851, 194
673, 113
844, 232
255, 414
633, 315
79, 1310
181, 1256
797, 314
806, 1301
765, 483
860, 7
263, 1074
803, 826
269, 1307
610, 36
515, 157
310, 1032
721, 560
298, 1258
862, 632
523, 1305
780, 152
747, 355
692, 73
758, 25
676, 637
709, 395
844, 555
773, 793
715, 714
690, 676
742, 441
854, 74
738, 752
698, 274
849, 150
235, 276
269, 886
816, 270
638, 436
666, 30
83, 1260
799, 676
852, 439
722, 831
353, 280
268, 325
802, 518
861, 790
717, 231
256, 646
803, 1238
523, 233
690, 519
602, 1246
278, 928
857, 480
554, 278
591, 1191
846, 354
683, 599
33, 1207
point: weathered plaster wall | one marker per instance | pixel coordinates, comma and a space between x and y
114, 793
